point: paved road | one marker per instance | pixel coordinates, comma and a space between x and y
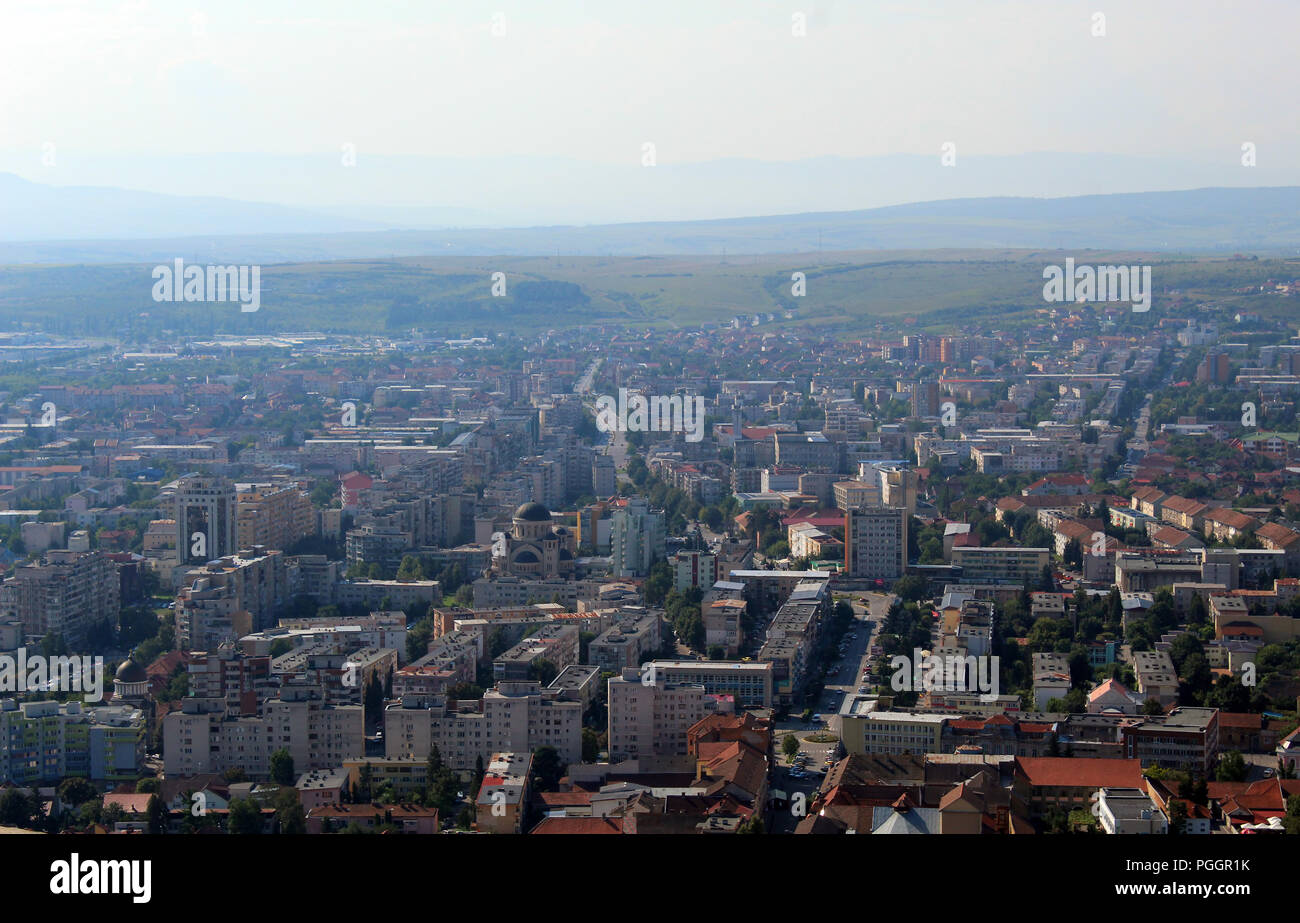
784, 818
845, 672
843, 679
584, 383
616, 448
846, 677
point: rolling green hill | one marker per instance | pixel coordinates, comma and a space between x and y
451, 296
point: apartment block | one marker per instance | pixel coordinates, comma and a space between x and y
863, 729
1051, 678
242, 681
627, 642
205, 519
649, 715
65, 594
1001, 565
503, 797
749, 682
793, 636
636, 537
452, 658
45, 742
1184, 738
724, 623
875, 543
202, 738
556, 644
273, 517
694, 569
515, 717
229, 598
1156, 677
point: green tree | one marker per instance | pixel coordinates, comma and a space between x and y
75, 792
790, 746
547, 769
1232, 767
17, 808
658, 583
590, 745
410, 569
155, 816
417, 638
289, 815
543, 671
1177, 817
245, 817
282, 767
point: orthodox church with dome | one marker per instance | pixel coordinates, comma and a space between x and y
534, 546
130, 684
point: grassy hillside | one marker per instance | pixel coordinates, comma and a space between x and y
452, 295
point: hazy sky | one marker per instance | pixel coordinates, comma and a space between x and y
702, 79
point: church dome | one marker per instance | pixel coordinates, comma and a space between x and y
130, 672
526, 557
533, 512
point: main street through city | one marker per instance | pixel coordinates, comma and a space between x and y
843, 678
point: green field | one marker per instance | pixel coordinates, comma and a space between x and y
451, 296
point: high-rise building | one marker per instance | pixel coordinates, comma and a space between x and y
205, 519
925, 398
651, 718
694, 569
625, 643
898, 488
229, 598
749, 682
243, 681
66, 594
202, 738
43, 742
603, 479
1214, 369
875, 543
637, 538
274, 517
514, 717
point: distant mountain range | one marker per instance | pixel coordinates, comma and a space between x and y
76, 224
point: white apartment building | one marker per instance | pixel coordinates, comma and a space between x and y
205, 519
65, 594
651, 718
637, 538
875, 543
512, 717
200, 738
229, 598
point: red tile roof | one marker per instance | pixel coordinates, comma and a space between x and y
1079, 772
578, 825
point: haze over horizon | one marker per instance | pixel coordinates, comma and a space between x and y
490, 116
